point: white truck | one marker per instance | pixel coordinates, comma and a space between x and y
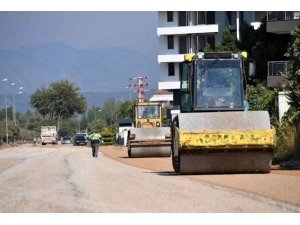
48, 135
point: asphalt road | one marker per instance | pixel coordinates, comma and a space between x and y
65, 178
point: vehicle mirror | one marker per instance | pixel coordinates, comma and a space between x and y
252, 69
185, 77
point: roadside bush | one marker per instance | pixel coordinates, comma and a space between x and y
260, 97
13, 132
27, 134
289, 129
286, 141
108, 137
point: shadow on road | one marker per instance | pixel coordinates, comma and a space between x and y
164, 173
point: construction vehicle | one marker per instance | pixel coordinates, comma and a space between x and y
48, 135
213, 133
148, 138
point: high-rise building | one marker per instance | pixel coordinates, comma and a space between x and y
181, 32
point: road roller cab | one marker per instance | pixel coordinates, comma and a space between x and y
148, 138
213, 133
147, 115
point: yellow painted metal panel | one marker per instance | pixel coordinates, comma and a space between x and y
188, 57
207, 139
244, 55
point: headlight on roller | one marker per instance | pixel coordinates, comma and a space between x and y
157, 124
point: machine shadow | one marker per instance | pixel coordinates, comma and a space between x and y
164, 173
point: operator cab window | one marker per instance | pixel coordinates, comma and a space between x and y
148, 112
219, 84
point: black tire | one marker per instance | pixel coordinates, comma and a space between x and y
175, 159
128, 145
128, 149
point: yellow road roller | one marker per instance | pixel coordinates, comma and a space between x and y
148, 138
213, 133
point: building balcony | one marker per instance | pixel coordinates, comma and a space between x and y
162, 96
182, 30
275, 69
170, 58
282, 22
169, 85
282, 15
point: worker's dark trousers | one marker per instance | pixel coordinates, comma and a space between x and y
95, 148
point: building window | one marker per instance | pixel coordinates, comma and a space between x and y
182, 45
171, 69
201, 17
182, 16
231, 16
210, 15
205, 39
170, 42
169, 16
205, 17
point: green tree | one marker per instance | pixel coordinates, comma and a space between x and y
94, 113
262, 46
109, 110
228, 43
60, 101
260, 97
125, 109
248, 37
68, 128
13, 132
293, 76
3, 114
43, 101
290, 125
98, 124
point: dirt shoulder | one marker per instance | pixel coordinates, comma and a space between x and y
5, 146
164, 164
118, 153
280, 184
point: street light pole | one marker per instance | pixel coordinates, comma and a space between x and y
14, 105
6, 127
99, 110
14, 109
6, 106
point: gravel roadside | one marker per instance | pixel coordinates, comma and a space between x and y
282, 185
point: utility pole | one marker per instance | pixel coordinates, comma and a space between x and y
140, 85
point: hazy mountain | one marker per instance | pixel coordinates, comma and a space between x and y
93, 70
99, 73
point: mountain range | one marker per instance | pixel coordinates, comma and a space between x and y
104, 72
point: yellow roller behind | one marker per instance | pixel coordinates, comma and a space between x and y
149, 142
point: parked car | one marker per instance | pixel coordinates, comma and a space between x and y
79, 140
65, 140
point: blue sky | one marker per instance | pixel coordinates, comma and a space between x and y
131, 29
